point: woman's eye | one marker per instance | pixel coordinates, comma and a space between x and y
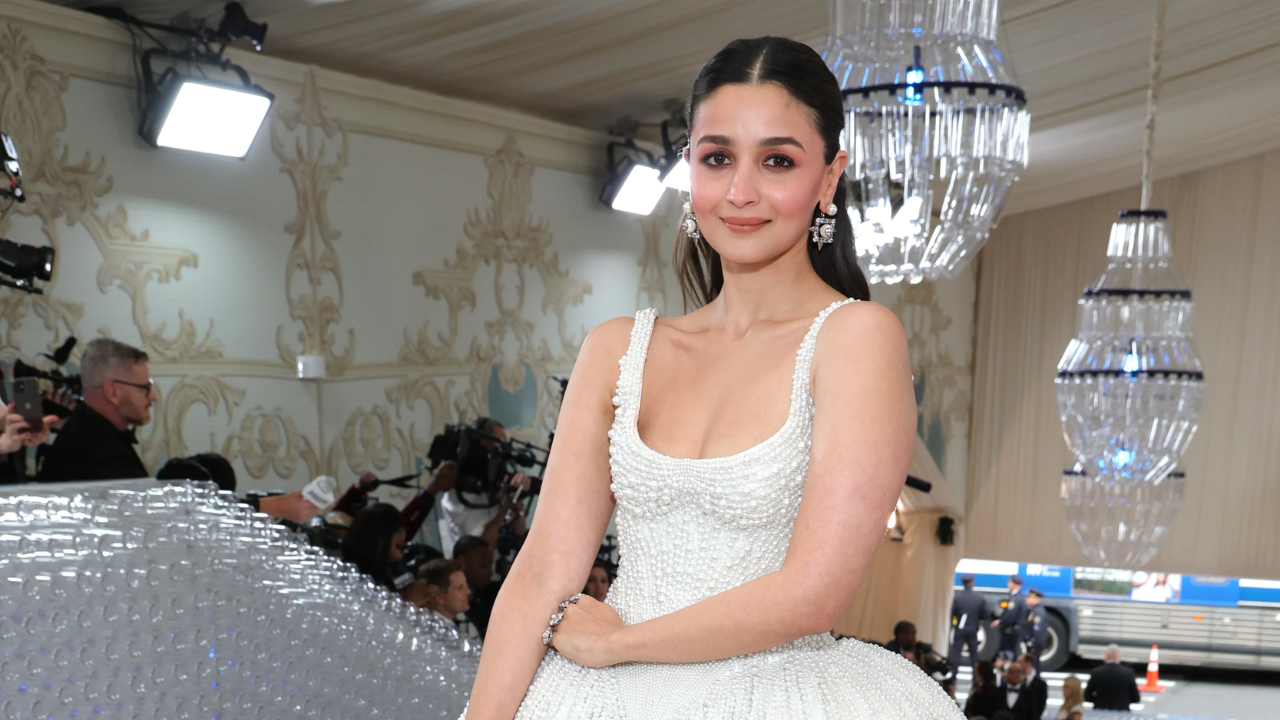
778, 161
715, 159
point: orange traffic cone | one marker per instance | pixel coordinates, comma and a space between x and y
1153, 673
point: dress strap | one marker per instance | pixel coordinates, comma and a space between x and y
804, 356
626, 396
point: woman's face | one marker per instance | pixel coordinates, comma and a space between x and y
597, 584
757, 172
397, 548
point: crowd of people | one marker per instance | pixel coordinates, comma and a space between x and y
1010, 687
91, 437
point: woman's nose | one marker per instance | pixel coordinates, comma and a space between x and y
743, 190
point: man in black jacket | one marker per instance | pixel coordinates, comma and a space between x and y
1037, 631
1112, 685
1011, 622
968, 609
97, 441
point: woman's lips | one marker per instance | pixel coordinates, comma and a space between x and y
745, 225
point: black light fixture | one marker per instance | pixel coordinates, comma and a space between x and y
20, 265
12, 170
192, 112
633, 184
673, 168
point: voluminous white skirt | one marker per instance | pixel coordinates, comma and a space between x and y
814, 678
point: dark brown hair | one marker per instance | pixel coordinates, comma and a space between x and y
367, 544
801, 72
439, 572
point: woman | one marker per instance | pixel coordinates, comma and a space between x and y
983, 698
597, 586
753, 460
375, 543
1072, 700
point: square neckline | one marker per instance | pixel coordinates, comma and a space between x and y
634, 424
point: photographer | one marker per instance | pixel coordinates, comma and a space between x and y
480, 514
97, 441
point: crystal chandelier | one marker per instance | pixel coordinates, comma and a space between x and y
932, 108
1120, 524
1130, 385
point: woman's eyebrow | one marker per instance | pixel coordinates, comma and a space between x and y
765, 143
715, 140
781, 140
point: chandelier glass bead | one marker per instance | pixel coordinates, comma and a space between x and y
934, 113
1120, 524
1130, 385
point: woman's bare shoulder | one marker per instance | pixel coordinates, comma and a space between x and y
862, 335
865, 325
605, 345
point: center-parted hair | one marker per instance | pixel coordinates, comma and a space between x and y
799, 70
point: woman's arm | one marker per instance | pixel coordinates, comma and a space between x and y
863, 436
573, 511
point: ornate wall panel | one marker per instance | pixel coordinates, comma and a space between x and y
312, 253
490, 340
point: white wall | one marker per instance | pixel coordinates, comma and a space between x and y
187, 256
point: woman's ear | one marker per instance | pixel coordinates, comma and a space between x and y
832, 176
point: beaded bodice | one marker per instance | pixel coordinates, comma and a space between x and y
691, 528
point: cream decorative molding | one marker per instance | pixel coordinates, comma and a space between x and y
657, 225
312, 253
57, 187
166, 439
507, 237
91, 47
943, 383
368, 441
405, 394
269, 441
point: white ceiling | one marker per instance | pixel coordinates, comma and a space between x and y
587, 62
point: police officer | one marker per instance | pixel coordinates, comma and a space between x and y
1011, 622
1037, 628
968, 609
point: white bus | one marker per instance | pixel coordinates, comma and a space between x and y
1195, 619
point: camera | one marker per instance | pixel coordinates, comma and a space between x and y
484, 460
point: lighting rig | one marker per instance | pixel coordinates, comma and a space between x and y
637, 178
183, 107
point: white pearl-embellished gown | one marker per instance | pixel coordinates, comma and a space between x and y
691, 528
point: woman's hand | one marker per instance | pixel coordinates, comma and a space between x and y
19, 432
586, 633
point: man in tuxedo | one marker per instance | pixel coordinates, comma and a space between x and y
1035, 684
1112, 685
1011, 622
1017, 695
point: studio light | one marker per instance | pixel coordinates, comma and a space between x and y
633, 185
185, 109
675, 168
634, 189
204, 116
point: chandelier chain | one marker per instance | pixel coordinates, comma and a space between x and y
1153, 98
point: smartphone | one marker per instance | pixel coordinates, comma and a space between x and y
27, 399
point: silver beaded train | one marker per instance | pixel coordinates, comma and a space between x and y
691, 528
